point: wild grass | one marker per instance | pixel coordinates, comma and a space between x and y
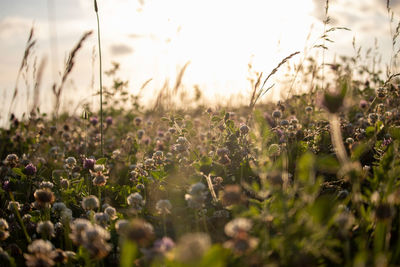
310, 180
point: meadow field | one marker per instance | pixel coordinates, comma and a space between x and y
310, 180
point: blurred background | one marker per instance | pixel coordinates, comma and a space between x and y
155, 39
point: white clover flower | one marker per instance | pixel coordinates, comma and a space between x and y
98, 167
191, 247
163, 206
3, 225
135, 201
45, 228
90, 203
70, 161
58, 207
66, 216
40, 246
111, 212
46, 184
13, 205
101, 218
121, 226
237, 225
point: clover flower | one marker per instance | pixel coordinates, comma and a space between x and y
45, 229
191, 247
140, 232
163, 206
90, 203
135, 201
196, 196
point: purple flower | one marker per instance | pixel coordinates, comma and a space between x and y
30, 169
164, 245
387, 141
109, 120
88, 163
7, 186
94, 120
363, 104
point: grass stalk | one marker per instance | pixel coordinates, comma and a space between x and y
101, 78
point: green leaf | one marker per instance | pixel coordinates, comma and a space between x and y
395, 132
101, 161
19, 172
370, 131
216, 256
216, 119
128, 254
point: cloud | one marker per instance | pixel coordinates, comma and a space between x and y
121, 49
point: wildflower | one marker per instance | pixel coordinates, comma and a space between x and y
99, 179
284, 123
349, 141
44, 197
40, 246
37, 260
274, 150
244, 129
101, 218
70, 162
4, 234
88, 163
363, 104
111, 212
164, 206
109, 120
196, 196
236, 226
277, 114
140, 134
381, 93
3, 225
333, 101
135, 201
163, 245
90, 203
191, 247
92, 237
140, 232
59, 256
64, 183
13, 206
11, 160
140, 187
172, 130
98, 167
45, 228
240, 242
222, 151
66, 216
138, 121
46, 184
30, 169
94, 120
121, 226
231, 195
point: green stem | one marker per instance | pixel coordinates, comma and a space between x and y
164, 224
20, 220
99, 190
101, 79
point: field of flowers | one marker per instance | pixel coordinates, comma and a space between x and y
313, 180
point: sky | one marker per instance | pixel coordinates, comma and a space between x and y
156, 38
